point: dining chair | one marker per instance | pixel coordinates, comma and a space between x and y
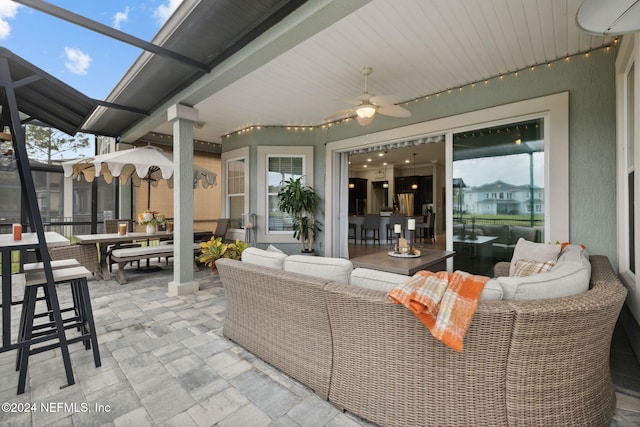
371, 223
429, 226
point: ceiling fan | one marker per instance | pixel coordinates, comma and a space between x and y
367, 105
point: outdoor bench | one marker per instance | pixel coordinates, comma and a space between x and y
125, 255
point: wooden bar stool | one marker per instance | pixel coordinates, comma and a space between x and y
81, 318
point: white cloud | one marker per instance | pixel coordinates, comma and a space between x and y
165, 10
77, 61
8, 10
120, 17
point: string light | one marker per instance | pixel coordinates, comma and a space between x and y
486, 81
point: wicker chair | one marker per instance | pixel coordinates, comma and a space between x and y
221, 228
86, 255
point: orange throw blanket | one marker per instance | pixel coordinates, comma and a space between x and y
444, 302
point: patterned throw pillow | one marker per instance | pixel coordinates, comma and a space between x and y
272, 248
527, 267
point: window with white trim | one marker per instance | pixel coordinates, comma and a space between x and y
281, 168
235, 198
276, 164
235, 191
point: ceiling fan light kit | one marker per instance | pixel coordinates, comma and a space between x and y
365, 111
367, 105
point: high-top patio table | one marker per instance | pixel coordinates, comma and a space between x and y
28, 241
429, 259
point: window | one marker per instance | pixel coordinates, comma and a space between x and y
275, 164
235, 169
280, 168
235, 191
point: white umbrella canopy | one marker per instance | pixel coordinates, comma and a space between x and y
147, 163
140, 164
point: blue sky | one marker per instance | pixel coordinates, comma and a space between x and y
87, 61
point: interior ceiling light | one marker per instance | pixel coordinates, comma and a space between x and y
385, 184
414, 186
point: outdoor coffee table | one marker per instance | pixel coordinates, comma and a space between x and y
429, 259
473, 244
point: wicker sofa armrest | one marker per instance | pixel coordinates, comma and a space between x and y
564, 343
280, 317
501, 269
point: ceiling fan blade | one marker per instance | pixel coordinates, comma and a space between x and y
339, 114
394, 111
385, 100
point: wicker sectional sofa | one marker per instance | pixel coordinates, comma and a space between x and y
536, 362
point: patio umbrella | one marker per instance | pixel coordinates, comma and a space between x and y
139, 164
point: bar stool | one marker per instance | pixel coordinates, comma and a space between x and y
82, 318
371, 223
396, 219
354, 235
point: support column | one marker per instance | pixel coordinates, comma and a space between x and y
183, 118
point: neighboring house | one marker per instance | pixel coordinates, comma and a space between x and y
501, 198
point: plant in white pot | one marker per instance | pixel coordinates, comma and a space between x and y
300, 202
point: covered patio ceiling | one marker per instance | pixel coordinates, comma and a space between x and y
293, 63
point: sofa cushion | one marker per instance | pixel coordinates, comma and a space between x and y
337, 269
492, 291
518, 231
264, 258
527, 267
501, 231
574, 253
565, 279
384, 281
533, 251
374, 279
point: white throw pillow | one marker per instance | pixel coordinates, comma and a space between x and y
337, 269
533, 251
565, 279
264, 258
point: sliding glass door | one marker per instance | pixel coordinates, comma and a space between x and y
498, 192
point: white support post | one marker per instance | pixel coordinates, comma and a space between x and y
183, 118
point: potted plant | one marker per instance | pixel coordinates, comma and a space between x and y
300, 202
215, 249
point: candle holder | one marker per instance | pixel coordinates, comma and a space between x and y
397, 247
